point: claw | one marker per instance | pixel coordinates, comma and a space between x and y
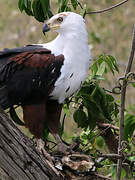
61, 147
41, 149
50, 160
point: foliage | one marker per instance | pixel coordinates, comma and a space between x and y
129, 126
93, 102
41, 10
100, 106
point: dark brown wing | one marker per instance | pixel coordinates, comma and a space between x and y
28, 75
39, 58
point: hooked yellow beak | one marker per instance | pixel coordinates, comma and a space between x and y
48, 27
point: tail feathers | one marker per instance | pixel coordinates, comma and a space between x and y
4, 102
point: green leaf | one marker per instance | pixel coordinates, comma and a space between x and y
28, 9
60, 1
94, 68
100, 141
109, 63
74, 4
101, 69
80, 118
66, 109
114, 62
123, 173
87, 136
133, 84
109, 60
26, 6
25, 3
21, 5
98, 77
68, 9
114, 172
95, 37
63, 5
129, 126
92, 110
38, 11
45, 6
100, 106
50, 14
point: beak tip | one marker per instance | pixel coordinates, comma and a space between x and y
46, 28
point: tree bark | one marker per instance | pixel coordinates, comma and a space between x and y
19, 159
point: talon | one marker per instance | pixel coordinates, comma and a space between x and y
62, 148
41, 149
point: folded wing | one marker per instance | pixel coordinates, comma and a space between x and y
27, 75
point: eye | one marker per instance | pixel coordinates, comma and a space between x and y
60, 19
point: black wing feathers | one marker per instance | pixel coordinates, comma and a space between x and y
7, 52
4, 101
28, 75
32, 86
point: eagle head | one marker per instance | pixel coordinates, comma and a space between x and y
65, 21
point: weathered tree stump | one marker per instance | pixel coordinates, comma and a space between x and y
19, 159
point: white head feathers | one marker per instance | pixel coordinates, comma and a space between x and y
66, 21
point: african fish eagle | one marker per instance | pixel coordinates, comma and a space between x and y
40, 77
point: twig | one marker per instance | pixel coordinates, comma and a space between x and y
122, 105
63, 122
107, 9
131, 54
100, 133
80, 4
111, 156
102, 177
104, 125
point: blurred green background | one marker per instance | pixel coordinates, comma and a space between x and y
109, 33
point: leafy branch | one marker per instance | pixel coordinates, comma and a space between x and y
122, 105
106, 9
41, 9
